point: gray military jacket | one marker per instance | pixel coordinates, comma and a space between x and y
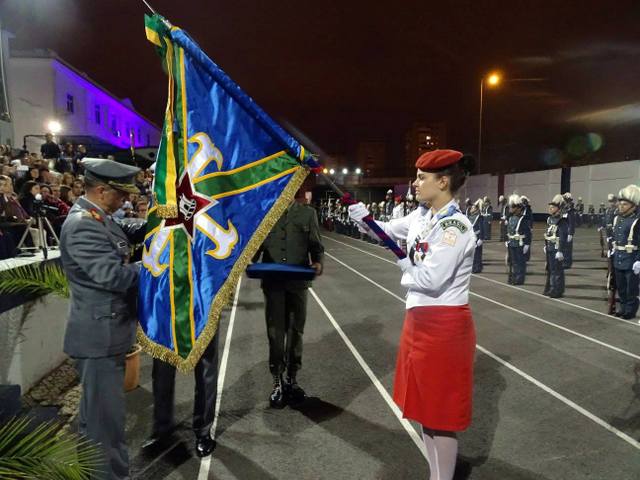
95, 256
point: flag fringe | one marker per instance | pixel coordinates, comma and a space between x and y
225, 294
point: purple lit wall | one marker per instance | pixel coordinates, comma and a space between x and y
97, 113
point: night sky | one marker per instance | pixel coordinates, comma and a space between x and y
351, 70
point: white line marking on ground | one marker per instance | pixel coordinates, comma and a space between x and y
533, 317
205, 463
634, 443
385, 395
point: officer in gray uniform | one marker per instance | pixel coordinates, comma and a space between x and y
625, 251
518, 241
294, 240
101, 326
554, 243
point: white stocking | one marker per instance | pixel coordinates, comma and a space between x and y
441, 455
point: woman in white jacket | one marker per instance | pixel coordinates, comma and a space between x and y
434, 373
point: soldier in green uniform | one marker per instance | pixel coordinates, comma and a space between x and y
294, 240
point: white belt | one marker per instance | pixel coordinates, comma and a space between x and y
627, 248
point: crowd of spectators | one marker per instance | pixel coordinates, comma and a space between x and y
46, 185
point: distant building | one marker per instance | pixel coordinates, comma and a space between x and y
423, 137
42, 87
6, 128
371, 157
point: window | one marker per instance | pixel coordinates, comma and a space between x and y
97, 114
70, 107
114, 126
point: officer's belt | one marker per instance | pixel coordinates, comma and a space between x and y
515, 237
627, 248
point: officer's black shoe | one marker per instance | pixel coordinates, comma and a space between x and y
157, 442
295, 393
627, 317
204, 446
277, 397
617, 314
555, 295
546, 293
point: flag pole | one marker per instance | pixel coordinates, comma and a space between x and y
346, 199
149, 7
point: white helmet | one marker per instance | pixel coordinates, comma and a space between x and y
630, 193
611, 197
515, 200
558, 201
501, 198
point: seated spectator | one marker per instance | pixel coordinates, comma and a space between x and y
27, 196
33, 175
13, 218
77, 190
65, 195
142, 208
49, 148
68, 179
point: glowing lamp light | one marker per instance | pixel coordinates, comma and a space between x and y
494, 79
325, 170
345, 171
54, 127
332, 171
358, 171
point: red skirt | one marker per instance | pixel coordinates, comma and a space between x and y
434, 372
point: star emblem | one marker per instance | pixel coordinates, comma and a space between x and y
190, 205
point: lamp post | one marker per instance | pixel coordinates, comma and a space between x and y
492, 80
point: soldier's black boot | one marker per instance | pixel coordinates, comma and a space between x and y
277, 398
295, 393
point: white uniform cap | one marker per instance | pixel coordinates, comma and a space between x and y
515, 200
501, 198
479, 203
558, 201
630, 193
611, 197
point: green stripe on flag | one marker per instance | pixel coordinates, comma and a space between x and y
182, 292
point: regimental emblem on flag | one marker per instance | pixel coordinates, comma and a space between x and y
225, 173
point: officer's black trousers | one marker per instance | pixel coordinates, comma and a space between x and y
627, 284
102, 411
518, 265
477, 260
206, 391
554, 284
487, 228
503, 231
568, 254
286, 314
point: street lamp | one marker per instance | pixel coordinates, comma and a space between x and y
358, 171
492, 80
345, 171
54, 126
332, 171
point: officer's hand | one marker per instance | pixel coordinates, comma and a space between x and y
559, 256
600, 229
506, 244
404, 263
479, 243
525, 249
317, 266
544, 249
569, 238
636, 268
358, 211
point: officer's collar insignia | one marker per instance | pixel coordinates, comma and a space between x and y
96, 215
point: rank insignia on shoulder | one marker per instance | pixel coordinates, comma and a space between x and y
452, 222
96, 215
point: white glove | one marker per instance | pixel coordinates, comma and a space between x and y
559, 256
506, 244
404, 263
525, 249
479, 243
569, 238
609, 253
600, 229
544, 249
362, 228
636, 268
358, 211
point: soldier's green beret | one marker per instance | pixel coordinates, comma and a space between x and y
112, 173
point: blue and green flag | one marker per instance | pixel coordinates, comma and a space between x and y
225, 172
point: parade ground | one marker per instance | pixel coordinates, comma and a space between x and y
557, 381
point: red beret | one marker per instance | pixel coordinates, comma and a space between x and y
437, 159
